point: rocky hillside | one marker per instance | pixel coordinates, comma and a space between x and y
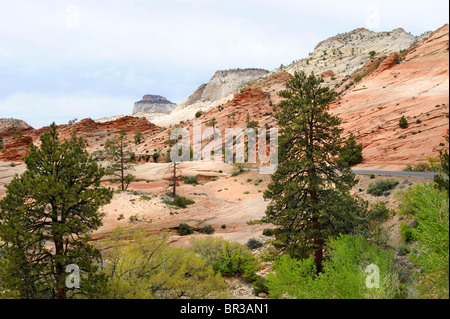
414, 84
222, 84
406, 77
154, 104
12, 125
338, 57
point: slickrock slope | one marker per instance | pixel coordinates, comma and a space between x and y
340, 56
154, 104
416, 86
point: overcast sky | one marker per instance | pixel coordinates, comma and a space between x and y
61, 60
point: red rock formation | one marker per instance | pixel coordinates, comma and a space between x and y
16, 148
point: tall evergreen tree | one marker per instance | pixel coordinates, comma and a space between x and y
47, 217
351, 152
120, 160
310, 191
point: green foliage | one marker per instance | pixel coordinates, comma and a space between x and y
442, 181
310, 191
47, 217
254, 243
372, 54
433, 165
343, 276
379, 211
207, 230
259, 286
252, 124
138, 137
182, 201
141, 267
227, 258
379, 188
190, 180
184, 229
198, 114
120, 159
403, 250
268, 232
238, 168
351, 153
429, 206
407, 232
403, 122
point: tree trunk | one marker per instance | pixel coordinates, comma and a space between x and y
59, 270
121, 164
318, 241
174, 179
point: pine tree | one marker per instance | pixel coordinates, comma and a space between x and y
120, 160
47, 216
310, 191
351, 152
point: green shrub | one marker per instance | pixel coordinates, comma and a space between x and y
380, 187
403, 250
407, 233
198, 114
182, 201
343, 275
429, 206
259, 286
268, 232
379, 211
351, 152
207, 230
227, 258
190, 180
184, 229
403, 122
253, 243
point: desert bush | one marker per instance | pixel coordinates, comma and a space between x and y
184, 229
268, 232
254, 243
403, 250
343, 275
403, 122
260, 286
379, 211
227, 258
380, 187
429, 206
190, 180
207, 230
146, 267
182, 201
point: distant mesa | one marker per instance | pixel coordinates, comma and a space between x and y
154, 104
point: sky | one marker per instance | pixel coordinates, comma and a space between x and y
61, 60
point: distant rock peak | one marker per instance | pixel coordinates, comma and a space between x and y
154, 104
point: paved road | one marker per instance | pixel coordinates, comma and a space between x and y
397, 173
391, 173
